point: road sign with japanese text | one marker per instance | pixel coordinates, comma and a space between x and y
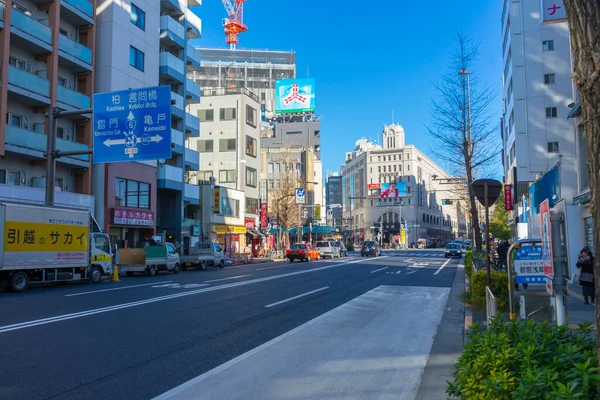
132, 125
528, 264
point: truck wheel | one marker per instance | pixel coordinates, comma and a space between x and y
176, 268
152, 270
18, 282
96, 275
203, 265
222, 264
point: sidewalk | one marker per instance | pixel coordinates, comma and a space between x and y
577, 311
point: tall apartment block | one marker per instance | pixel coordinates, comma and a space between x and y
141, 44
47, 60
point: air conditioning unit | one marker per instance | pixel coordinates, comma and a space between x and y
25, 123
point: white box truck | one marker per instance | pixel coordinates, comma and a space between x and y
50, 244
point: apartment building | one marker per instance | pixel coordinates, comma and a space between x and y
141, 44
334, 196
48, 60
370, 166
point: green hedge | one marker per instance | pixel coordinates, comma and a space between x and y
469, 262
499, 288
526, 360
350, 247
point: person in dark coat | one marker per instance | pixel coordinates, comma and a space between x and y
585, 263
502, 252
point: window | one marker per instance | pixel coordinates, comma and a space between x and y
552, 147
226, 145
549, 79
204, 175
227, 176
16, 62
551, 112
251, 146
101, 243
251, 205
136, 58
14, 119
206, 115
251, 177
8, 177
129, 193
138, 17
227, 114
277, 168
230, 207
270, 168
548, 45
251, 116
205, 146
294, 133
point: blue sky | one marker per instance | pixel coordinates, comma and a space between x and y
367, 58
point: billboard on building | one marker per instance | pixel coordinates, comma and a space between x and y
393, 189
553, 11
294, 96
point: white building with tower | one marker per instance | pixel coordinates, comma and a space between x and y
370, 168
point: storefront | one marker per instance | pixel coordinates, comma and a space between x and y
130, 226
254, 237
231, 238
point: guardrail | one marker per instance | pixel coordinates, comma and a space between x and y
491, 305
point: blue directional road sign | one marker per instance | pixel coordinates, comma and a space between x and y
132, 125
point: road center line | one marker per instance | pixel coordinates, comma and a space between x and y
226, 279
117, 288
262, 269
65, 317
380, 269
442, 267
295, 297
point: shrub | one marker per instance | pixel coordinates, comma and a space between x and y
527, 360
499, 288
350, 247
469, 262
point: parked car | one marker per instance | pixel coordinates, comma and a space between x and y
468, 244
453, 250
302, 251
370, 248
343, 249
328, 249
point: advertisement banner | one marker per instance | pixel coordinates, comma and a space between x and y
317, 211
508, 199
553, 11
263, 215
374, 186
546, 239
132, 217
393, 189
217, 200
249, 223
294, 96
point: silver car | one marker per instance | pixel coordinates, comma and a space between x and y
328, 249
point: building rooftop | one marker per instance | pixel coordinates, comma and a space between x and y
250, 56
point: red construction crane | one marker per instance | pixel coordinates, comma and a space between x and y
234, 25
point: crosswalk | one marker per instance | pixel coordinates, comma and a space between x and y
415, 254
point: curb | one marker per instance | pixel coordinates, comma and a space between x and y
468, 310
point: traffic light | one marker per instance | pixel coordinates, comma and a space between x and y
446, 202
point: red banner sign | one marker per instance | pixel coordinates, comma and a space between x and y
250, 223
508, 198
263, 215
133, 217
374, 186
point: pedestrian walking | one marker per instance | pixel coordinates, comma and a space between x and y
502, 251
585, 264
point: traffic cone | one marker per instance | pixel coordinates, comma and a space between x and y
115, 277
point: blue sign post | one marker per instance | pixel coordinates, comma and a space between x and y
132, 125
528, 265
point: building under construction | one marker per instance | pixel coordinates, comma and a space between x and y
256, 70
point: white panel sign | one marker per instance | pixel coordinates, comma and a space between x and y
553, 11
300, 196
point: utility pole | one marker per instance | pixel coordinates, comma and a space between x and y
558, 260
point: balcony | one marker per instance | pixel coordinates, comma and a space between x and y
31, 31
170, 177
177, 109
34, 144
2, 15
72, 98
172, 69
194, 25
194, 3
192, 91
192, 55
75, 52
192, 125
192, 159
28, 82
172, 7
79, 12
178, 140
172, 31
191, 194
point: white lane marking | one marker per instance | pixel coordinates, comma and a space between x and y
65, 317
411, 272
117, 288
408, 259
226, 279
442, 267
296, 297
380, 269
277, 266
182, 285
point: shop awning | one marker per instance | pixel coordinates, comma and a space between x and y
253, 233
320, 230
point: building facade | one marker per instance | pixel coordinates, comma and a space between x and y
334, 196
48, 60
139, 45
421, 215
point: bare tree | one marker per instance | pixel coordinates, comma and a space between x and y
464, 130
583, 17
282, 201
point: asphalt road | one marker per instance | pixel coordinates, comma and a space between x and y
143, 336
